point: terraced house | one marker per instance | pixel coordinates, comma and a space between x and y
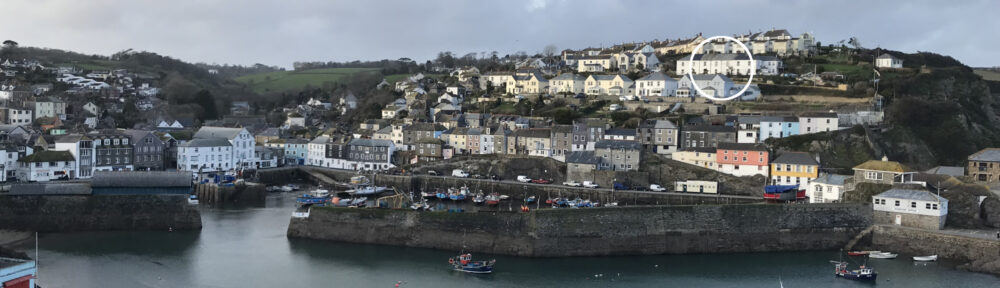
609, 85
794, 168
532, 142
568, 83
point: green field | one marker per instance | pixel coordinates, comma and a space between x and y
988, 75
283, 81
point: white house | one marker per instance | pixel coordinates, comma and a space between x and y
655, 84
43, 166
92, 108
205, 154
729, 64
317, 151
596, 63
567, 83
910, 207
19, 116
239, 139
888, 61
814, 122
715, 85
828, 188
295, 120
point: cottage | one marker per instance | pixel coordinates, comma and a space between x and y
702, 157
656, 84
580, 166
742, 159
567, 83
888, 61
532, 142
984, 166
917, 208
44, 166
828, 188
779, 127
880, 172
658, 136
815, 122
615, 85
617, 155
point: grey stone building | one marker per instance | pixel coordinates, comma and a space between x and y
658, 136
911, 207
586, 132
562, 141
879, 172
148, 150
368, 154
580, 166
618, 155
113, 151
984, 166
696, 136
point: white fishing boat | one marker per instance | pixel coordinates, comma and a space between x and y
883, 255
193, 200
319, 193
930, 258
361, 186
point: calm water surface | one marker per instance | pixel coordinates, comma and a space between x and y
247, 247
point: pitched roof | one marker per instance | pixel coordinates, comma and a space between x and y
947, 170
656, 76
620, 131
986, 155
831, 179
207, 142
617, 144
742, 146
47, 156
370, 143
797, 158
568, 76
819, 115
883, 165
141, 179
534, 133
657, 124
582, 157
911, 194
710, 128
887, 56
213, 132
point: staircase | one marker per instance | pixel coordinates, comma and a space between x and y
850, 244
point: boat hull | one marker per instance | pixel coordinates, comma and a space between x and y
855, 277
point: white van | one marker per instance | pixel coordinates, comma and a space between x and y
459, 173
523, 179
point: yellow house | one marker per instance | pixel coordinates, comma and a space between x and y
794, 168
701, 157
608, 85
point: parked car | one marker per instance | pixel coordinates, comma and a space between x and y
479, 176
496, 177
541, 181
523, 179
432, 173
656, 188
572, 184
620, 186
459, 173
590, 184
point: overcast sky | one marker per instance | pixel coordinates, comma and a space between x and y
281, 32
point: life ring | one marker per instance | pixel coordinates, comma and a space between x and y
451, 260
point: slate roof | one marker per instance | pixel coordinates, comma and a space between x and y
370, 142
831, 179
742, 146
797, 158
568, 76
214, 132
947, 170
582, 157
620, 132
657, 124
819, 115
656, 76
617, 144
47, 156
911, 194
887, 56
710, 128
986, 155
207, 142
141, 179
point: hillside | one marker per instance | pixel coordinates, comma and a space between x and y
289, 81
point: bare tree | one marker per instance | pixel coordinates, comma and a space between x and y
550, 50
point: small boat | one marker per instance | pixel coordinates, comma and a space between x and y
349, 202
479, 200
861, 274
504, 197
530, 199
458, 194
883, 255
361, 186
428, 195
287, 188
464, 263
784, 193
583, 203
193, 200
441, 195
931, 258
493, 199
418, 206
857, 253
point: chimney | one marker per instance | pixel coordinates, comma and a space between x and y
884, 158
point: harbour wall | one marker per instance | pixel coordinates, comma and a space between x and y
52, 213
416, 184
979, 254
636, 230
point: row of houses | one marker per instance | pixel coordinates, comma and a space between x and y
653, 84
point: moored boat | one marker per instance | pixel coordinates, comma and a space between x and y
428, 195
857, 253
479, 200
930, 258
464, 263
193, 199
493, 199
530, 199
882, 255
784, 193
861, 274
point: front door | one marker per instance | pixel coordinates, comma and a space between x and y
899, 219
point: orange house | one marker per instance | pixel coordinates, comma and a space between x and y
742, 159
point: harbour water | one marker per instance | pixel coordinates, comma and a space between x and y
247, 247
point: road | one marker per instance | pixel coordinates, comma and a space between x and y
513, 182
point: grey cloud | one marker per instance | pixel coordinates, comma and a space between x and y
280, 32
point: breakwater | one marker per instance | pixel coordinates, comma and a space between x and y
600, 231
53, 213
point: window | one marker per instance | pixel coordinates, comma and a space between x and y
876, 200
913, 204
928, 206
934, 206
897, 203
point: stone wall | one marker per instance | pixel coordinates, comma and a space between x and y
599, 231
910, 220
98, 213
981, 255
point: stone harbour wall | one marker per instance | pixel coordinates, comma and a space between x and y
98, 213
598, 231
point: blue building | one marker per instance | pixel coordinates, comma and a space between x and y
17, 273
778, 127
